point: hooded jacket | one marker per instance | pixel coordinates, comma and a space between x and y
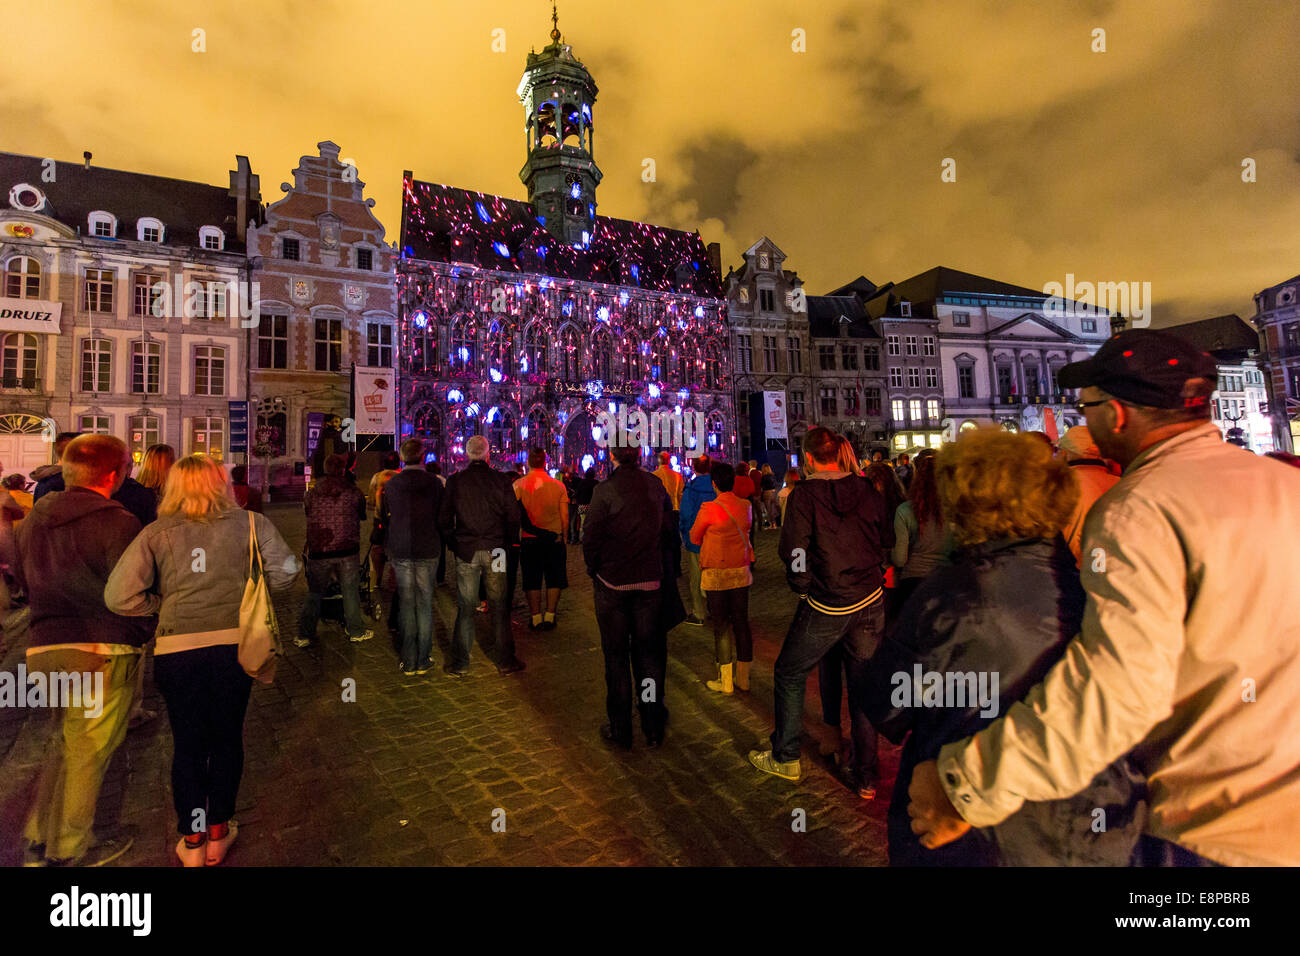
698, 490
1004, 608
335, 509
67, 548
834, 541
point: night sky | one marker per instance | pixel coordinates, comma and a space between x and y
1117, 166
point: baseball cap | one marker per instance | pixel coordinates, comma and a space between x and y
1144, 367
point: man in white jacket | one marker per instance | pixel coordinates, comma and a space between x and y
1189, 654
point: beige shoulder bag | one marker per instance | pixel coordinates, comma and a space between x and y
259, 634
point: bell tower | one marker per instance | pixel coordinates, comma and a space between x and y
558, 95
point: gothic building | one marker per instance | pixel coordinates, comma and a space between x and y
524, 320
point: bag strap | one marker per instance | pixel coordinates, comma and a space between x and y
749, 553
253, 548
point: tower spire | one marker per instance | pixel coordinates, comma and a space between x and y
555, 23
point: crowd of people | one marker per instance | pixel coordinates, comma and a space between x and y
1082, 644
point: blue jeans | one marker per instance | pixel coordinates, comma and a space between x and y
468, 575
320, 571
812, 634
415, 604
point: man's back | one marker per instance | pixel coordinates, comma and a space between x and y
409, 506
541, 496
624, 521
335, 509
479, 510
1190, 563
673, 484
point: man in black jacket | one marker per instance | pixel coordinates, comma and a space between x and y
408, 515
67, 547
335, 508
479, 518
621, 544
833, 542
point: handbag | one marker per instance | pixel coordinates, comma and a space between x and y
259, 633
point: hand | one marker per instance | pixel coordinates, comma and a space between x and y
934, 818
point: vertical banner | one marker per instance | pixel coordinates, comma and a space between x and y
374, 401
315, 425
239, 429
774, 420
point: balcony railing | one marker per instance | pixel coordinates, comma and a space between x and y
29, 383
1056, 398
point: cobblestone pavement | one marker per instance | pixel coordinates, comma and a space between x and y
414, 771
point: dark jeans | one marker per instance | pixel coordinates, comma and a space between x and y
415, 597
1153, 851
207, 694
732, 640
629, 633
320, 572
830, 685
575, 522
469, 575
812, 634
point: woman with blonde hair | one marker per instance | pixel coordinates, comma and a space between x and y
189, 567
154, 466
997, 618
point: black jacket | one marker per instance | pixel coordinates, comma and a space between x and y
1007, 608
834, 541
67, 547
133, 496
479, 511
621, 540
408, 513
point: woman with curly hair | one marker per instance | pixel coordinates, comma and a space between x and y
977, 635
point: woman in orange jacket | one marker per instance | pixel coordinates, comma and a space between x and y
721, 530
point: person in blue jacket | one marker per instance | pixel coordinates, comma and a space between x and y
697, 491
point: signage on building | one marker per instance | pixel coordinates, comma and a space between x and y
774, 414
315, 425
30, 315
238, 428
373, 401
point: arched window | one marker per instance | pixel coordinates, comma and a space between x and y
570, 358
210, 237
535, 350
630, 359
715, 427
462, 345
538, 427
500, 432
23, 278
423, 353
269, 440
659, 356
148, 229
712, 367
18, 365
602, 356
103, 225
685, 365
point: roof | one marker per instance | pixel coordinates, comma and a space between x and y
826, 314
448, 224
1224, 336
76, 191
926, 288
861, 286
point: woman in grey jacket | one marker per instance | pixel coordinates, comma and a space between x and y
189, 567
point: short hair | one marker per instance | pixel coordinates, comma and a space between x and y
821, 445
239, 475
723, 475
994, 484
537, 458
434, 468
334, 465
703, 465
791, 475
665, 457
197, 489
61, 441
154, 465
391, 461
753, 465
628, 456
89, 459
14, 481
476, 449
411, 451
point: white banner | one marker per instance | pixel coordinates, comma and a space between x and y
774, 415
375, 401
30, 315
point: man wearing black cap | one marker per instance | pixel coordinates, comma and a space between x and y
1184, 656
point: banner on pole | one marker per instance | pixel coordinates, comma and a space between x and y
374, 401
774, 420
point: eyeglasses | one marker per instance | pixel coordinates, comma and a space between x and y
1080, 407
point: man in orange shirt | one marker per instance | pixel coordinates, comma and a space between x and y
542, 555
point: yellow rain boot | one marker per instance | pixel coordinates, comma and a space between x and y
723, 685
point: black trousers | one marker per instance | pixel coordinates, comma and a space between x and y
207, 695
732, 640
630, 634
